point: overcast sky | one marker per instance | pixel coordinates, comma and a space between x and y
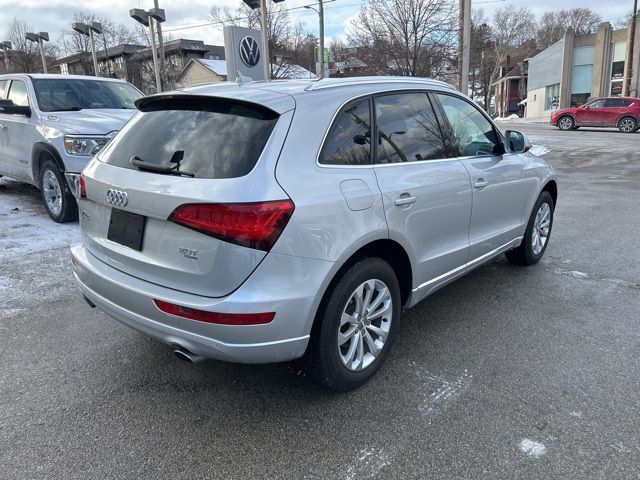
55, 16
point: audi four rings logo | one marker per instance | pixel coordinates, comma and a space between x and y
249, 51
117, 198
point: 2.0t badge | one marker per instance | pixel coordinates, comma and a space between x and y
117, 198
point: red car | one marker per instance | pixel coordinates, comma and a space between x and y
620, 112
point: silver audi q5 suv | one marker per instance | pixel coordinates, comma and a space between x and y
268, 221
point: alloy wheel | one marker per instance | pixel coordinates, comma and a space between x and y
52, 192
365, 325
627, 125
541, 228
565, 123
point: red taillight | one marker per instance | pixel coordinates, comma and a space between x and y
82, 187
253, 225
215, 317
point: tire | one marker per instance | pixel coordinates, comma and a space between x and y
328, 361
56, 194
628, 125
528, 254
566, 123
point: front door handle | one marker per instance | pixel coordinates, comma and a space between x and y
3, 127
404, 199
481, 183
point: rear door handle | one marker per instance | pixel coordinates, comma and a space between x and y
3, 127
404, 199
480, 184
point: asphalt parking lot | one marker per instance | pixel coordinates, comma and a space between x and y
507, 373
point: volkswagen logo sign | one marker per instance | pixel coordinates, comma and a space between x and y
249, 51
117, 198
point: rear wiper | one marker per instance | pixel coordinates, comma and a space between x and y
153, 167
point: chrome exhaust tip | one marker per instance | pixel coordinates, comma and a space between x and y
187, 356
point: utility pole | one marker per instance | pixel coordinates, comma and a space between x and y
320, 56
464, 44
321, 13
160, 40
265, 39
626, 89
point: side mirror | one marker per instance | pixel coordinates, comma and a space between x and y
517, 142
10, 108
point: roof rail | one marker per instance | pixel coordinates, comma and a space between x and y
320, 85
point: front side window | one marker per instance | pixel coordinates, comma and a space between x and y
59, 95
18, 93
597, 104
407, 129
349, 140
3, 88
471, 133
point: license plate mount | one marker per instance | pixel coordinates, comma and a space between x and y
126, 228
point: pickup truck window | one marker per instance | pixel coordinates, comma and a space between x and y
18, 93
58, 95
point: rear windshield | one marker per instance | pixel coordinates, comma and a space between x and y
215, 138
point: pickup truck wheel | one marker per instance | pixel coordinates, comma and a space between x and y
356, 324
56, 195
536, 237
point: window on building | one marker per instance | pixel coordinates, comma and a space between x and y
64, 69
407, 129
552, 97
578, 99
349, 140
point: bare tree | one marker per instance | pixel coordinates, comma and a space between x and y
553, 25
71, 42
512, 28
26, 55
482, 57
408, 37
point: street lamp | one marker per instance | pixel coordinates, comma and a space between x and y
88, 29
6, 45
39, 38
146, 19
320, 12
262, 5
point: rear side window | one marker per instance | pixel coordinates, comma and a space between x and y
617, 103
471, 133
349, 140
3, 88
407, 129
18, 93
208, 138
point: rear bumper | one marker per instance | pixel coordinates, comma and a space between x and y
290, 286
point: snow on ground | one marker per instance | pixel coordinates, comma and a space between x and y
34, 255
25, 226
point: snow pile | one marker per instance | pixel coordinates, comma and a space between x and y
511, 118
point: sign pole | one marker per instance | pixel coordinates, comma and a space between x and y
265, 40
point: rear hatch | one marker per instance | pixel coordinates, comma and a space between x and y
185, 195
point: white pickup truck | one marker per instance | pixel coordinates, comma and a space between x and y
51, 126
